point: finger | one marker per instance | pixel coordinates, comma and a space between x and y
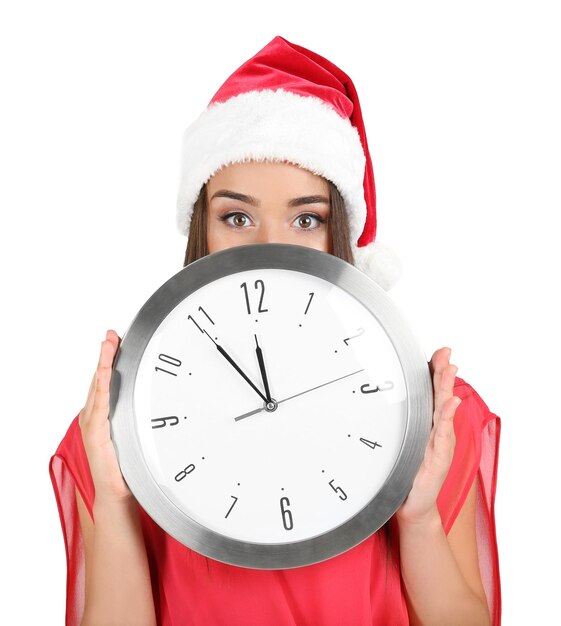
439, 362
109, 348
90, 399
440, 359
442, 394
445, 390
114, 338
444, 437
100, 407
106, 357
85, 414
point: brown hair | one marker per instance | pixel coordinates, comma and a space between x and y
338, 224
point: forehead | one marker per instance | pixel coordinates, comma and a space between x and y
265, 178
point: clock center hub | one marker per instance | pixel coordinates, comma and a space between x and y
271, 406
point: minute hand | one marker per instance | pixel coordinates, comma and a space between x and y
329, 382
236, 366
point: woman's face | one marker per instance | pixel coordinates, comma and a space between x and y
267, 203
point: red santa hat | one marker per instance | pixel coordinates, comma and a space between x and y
288, 103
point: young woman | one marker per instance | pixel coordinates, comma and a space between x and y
281, 156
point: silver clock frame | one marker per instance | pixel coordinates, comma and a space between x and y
127, 443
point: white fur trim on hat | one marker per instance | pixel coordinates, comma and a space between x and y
379, 262
278, 126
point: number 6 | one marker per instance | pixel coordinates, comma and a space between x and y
286, 514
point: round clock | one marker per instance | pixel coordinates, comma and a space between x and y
270, 406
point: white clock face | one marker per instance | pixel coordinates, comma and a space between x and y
269, 406
324, 448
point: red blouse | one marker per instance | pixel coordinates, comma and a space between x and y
362, 586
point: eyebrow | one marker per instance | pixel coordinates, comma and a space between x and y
308, 200
295, 202
233, 195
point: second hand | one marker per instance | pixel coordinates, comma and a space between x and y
329, 382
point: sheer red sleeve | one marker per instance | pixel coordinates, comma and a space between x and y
70, 471
475, 459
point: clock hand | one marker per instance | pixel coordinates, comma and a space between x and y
322, 385
329, 382
236, 366
259, 353
241, 417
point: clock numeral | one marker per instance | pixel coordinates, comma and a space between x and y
385, 387
161, 422
170, 360
287, 521
371, 444
359, 332
311, 294
259, 284
190, 317
339, 490
232, 506
184, 472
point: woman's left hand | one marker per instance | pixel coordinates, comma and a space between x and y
420, 504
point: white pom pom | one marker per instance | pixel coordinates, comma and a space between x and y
379, 262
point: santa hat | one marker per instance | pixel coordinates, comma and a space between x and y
290, 104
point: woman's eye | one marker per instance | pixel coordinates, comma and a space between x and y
308, 221
239, 220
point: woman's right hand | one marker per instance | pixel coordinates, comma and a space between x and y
118, 587
109, 483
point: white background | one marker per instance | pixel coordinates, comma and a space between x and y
461, 104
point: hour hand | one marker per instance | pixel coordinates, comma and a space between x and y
262, 369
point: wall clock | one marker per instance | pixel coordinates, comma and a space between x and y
270, 406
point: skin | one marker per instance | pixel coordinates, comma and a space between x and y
279, 203
282, 204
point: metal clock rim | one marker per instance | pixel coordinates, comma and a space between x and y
165, 512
